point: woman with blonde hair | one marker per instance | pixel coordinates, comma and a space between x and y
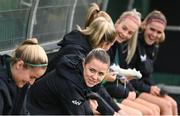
122, 52
131, 39
152, 35
28, 62
100, 33
94, 12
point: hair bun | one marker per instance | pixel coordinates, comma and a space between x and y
32, 41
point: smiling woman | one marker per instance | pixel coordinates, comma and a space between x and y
65, 90
149, 40
28, 63
95, 68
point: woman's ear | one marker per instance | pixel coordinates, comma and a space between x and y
83, 63
19, 64
162, 39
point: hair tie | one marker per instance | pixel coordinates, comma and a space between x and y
36, 65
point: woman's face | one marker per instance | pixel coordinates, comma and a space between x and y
24, 75
105, 45
94, 72
125, 30
153, 32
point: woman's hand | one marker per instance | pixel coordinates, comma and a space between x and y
155, 90
122, 113
111, 76
129, 78
93, 106
132, 95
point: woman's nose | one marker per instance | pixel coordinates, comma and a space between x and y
154, 34
95, 76
31, 81
125, 34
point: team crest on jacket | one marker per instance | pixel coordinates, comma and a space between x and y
76, 102
143, 57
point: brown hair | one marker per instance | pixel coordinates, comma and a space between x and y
99, 54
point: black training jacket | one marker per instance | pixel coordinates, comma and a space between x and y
74, 48
61, 91
144, 65
76, 44
116, 89
11, 97
73, 43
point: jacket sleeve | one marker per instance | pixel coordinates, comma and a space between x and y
111, 52
1, 103
130, 86
103, 92
116, 89
65, 51
104, 110
5, 99
74, 103
140, 85
73, 99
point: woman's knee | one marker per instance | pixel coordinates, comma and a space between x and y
130, 110
172, 101
174, 104
147, 112
138, 113
163, 102
144, 95
154, 107
158, 109
166, 105
143, 109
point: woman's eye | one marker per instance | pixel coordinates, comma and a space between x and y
159, 32
124, 28
130, 33
152, 29
101, 74
32, 77
92, 70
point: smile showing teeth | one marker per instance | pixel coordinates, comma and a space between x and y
91, 81
150, 39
